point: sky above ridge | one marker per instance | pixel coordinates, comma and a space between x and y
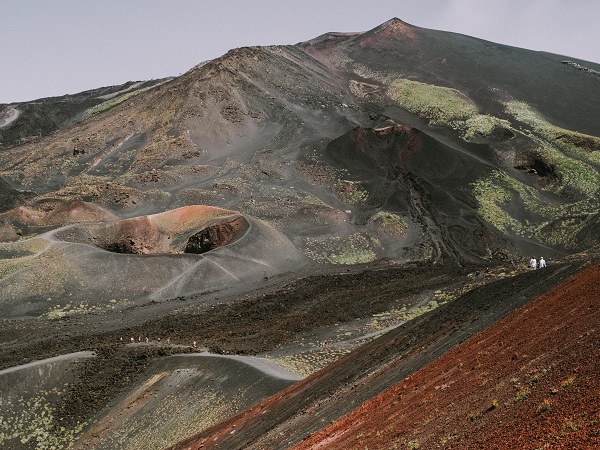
59, 47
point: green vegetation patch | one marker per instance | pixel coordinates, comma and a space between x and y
26, 249
480, 124
444, 106
572, 154
317, 172
59, 311
389, 223
351, 192
32, 422
26, 246
525, 113
195, 412
558, 223
115, 101
492, 196
522, 395
441, 105
356, 248
8, 266
573, 172
307, 363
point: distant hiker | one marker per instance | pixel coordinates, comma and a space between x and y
533, 263
146, 340
194, 343
542, 262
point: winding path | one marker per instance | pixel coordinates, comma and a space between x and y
48, 361
264, 365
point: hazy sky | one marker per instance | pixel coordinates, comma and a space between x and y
57, 47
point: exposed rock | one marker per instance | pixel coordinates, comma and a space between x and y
216, 236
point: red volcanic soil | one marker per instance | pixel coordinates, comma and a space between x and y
531, 381
305, 408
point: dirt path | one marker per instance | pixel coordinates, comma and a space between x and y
262, 364
41, 362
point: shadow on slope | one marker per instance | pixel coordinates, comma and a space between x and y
404, 173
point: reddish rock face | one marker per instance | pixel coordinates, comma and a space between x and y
134, 236
216, 236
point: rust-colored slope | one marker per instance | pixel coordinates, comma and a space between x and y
286, 418
530, 381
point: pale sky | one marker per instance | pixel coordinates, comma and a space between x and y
56, 47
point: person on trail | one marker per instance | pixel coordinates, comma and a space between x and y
542, 262
533, 263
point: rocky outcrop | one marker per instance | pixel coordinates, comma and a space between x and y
582, 68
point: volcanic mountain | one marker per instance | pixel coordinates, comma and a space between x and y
275, 197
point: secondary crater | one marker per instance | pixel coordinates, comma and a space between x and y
191, 229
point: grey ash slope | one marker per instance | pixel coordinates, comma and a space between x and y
398, 143
30, 121
243, 130
484, 71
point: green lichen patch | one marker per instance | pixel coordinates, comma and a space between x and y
356, 248
389, 223
32, 423
444, 106
441, 105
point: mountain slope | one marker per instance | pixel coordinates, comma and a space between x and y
240, 131
524, 382
284, 196
289, 417
30, 121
